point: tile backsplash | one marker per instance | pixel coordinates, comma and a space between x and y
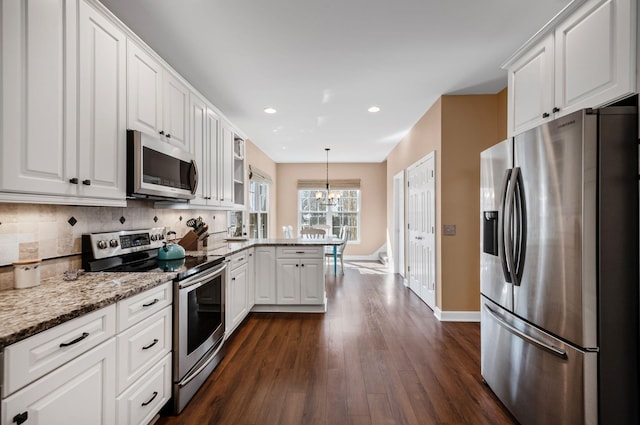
53, 233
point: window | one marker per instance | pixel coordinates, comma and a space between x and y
258, 210
314, 212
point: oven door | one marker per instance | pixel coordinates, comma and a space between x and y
198, 318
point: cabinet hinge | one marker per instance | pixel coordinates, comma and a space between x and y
408, 268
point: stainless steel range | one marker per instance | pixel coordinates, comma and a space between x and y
198, 299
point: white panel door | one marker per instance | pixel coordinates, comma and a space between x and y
102, 108
144, 91
428, 290
531, 88
175, 119
421, 229
593, 61
238, 298
39, 96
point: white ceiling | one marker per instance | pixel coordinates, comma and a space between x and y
322, 63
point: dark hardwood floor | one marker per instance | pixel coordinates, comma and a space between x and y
378, 356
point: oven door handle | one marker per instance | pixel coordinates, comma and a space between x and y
200, 279
196, 372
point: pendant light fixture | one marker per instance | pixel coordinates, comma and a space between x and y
332, 198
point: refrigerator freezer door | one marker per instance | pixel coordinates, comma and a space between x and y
558, 164
495, 166
540, 379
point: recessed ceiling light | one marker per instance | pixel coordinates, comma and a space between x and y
374, 109
270, 110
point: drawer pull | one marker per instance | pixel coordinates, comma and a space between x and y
155, 300
146, 347
75, 341
241, 259
300, 252
153, 397
21, 418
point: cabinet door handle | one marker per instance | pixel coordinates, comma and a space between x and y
297, 265
75, 341
302, 265
545, 115
21, 418
162, 132
556, 109
233, 278
155, 300
86, 182
73, 180
153, 397
146, 347
250, 255
168, 136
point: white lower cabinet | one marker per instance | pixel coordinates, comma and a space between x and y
142, 346
142, 400
265, 275
237, 291
73, 373
251, 279
80, 392
300, 281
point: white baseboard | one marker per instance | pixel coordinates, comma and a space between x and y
456, 316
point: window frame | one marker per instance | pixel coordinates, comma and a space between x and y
255, 204
329, 209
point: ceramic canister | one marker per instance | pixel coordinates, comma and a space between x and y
26, 274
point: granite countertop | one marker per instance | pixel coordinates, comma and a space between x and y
26, 312
233, 247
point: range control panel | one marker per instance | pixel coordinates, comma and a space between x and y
110, 244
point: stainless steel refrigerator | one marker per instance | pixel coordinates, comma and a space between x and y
559, 270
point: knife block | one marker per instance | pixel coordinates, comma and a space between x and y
189, 241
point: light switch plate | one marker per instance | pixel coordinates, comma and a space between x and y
449, 230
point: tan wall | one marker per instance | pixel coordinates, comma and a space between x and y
502, 114
424, 137
256, 158
469, 126
373, 203
458, 128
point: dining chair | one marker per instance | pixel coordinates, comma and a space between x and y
287, 231
311, 233
328, 250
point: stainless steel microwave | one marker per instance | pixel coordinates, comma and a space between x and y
158, 170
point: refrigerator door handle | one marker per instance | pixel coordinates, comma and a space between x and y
509, 218
558, 352
521, 227
501, 223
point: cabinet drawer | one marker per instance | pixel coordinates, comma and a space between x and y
139, 307
28, 360
142, 346
145, 398
238, 259
299, 252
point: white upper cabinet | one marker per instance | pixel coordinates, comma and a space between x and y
144, 96
63, 82
225, 166
595, 55
102, 108
585, 59
204, 123
158, 102
38, 95
531, 87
